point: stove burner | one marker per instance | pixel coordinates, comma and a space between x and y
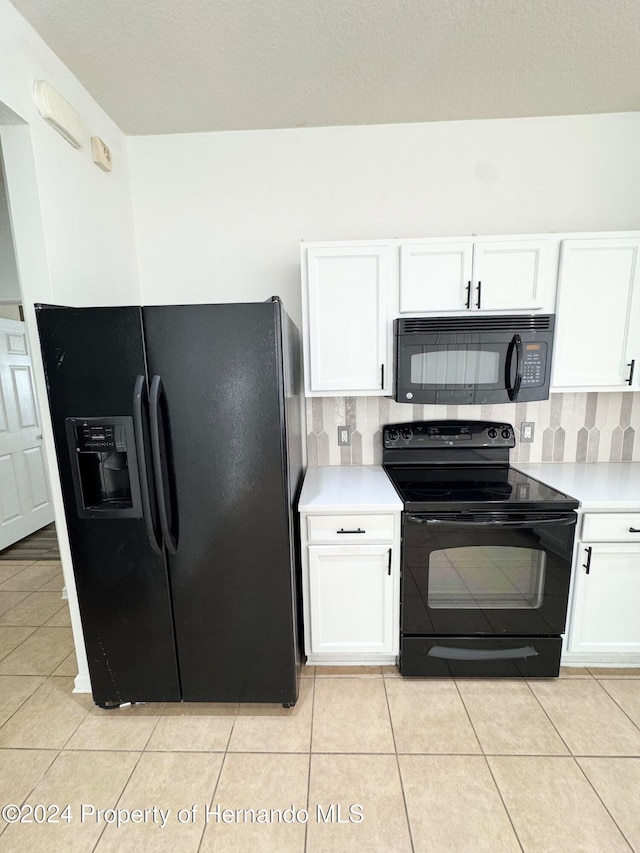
478, 490
428, 491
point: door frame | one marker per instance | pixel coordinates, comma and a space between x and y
23, 201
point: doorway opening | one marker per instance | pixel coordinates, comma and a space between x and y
35, 625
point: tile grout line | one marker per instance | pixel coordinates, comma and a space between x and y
313, 708
119, 797
547, 715
488, 765
215, 787
15, 711
397, 757
616, 703
4, 657
40, 778
604, 805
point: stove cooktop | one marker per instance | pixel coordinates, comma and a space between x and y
462, 466
474, 488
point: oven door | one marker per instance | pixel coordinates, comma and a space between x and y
458, 369
486, 574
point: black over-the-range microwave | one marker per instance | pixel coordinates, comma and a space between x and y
470, 360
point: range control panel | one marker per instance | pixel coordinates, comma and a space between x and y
433, 434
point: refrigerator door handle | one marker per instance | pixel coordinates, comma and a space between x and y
156, 451
138, 393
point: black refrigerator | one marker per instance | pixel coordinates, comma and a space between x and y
178, 440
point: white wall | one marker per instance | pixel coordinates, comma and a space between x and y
86, 217
219, 216
9, 284
72, 223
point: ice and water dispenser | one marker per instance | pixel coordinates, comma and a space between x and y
104, 467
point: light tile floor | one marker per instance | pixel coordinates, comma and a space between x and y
366, 760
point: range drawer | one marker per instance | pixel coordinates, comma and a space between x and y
350, 528
611, 526
480, 657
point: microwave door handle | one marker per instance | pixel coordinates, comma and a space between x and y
514, 345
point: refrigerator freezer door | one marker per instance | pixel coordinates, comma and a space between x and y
92, 357
232, 576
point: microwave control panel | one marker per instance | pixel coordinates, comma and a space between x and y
534, 359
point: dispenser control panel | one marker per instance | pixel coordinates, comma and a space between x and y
92, 437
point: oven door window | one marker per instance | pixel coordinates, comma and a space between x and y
456, 365
486, 578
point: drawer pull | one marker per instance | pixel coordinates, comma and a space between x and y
342, 530
634, 530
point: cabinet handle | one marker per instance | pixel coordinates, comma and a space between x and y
479, 294
587, 565
632, 367
382, 375
342, 530
634, 530
468, 294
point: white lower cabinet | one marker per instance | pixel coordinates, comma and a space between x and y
351, 603
606, 601
351, 587
604, 621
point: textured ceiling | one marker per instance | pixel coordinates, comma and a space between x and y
172, 66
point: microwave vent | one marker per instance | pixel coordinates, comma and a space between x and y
507, 323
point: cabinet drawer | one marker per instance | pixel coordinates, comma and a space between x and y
349, 528
611, 526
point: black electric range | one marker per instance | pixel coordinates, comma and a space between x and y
486, 553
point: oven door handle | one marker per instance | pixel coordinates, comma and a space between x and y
511, 523
512, 390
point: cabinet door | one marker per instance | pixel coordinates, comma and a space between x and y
345, 299
435, 276
350, 591
598, 316
605, 609
510, 275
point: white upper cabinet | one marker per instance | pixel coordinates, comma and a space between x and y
483, 274
347, 321
435, 276
512, 275
598, 315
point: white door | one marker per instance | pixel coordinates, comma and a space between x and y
25, 501
598, 317
350, 590
346, 299
605, 610
510, 275
435, 277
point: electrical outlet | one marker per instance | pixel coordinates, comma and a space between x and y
344, 436
527, 429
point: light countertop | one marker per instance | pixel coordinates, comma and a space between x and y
597, 485
605, 486
335, 488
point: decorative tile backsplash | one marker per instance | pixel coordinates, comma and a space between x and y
585, 427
